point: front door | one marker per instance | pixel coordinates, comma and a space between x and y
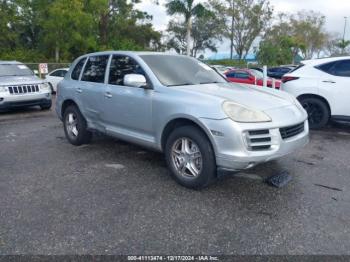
127, 110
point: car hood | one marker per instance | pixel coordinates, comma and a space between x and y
19, 80
247, 95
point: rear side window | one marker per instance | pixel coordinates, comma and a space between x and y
95, 69
337, 68
77, 69
342, 68
326, 67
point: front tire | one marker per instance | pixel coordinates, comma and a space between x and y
75, 127
46, 106
317, 111
190, 157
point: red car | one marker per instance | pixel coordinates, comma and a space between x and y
250, 76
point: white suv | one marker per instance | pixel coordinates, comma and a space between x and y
323, 88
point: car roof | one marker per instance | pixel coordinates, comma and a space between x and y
139, 53
130, 53
323, 60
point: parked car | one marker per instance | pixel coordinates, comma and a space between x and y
257, 69
323, 88
251, 77
19, 87
182, 107
278, 72
55, 77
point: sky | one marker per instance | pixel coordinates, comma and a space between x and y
334, 10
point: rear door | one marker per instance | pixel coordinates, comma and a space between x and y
335, 86
91, 88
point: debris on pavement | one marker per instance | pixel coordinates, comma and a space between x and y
279, 180
328, 187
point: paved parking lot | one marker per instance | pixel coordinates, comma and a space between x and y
111, 197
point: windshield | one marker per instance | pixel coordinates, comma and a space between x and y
176, 70
14, 70
257, 73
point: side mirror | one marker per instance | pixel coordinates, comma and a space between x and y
135, 80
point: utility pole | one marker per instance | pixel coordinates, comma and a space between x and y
345, 22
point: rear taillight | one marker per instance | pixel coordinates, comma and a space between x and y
286, 79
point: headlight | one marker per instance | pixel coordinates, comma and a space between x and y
44, 86
3, 89
243, 114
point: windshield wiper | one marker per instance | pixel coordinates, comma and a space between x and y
213, 82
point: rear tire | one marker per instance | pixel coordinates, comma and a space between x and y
75, 126
190, 157
317, 111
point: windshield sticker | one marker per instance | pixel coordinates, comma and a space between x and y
206, 67
22, 67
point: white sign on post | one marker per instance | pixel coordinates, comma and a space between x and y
43, 69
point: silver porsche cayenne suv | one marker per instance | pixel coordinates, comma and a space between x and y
182, 107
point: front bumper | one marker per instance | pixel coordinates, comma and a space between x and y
231, 144
26, 100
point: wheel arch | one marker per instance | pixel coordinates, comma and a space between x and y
183, 121
318, 97
67, 103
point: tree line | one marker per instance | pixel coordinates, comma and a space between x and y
251, 27
60, 30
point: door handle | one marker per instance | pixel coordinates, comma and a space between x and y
79, 90
329, 81
108, 95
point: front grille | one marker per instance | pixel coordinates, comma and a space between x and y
23, 89
259, 140
290, 131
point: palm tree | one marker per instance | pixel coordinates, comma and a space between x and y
186, 8
343, 44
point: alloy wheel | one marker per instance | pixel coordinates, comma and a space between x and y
72, 125
187, 158
314, 112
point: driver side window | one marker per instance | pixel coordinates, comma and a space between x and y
121, 66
